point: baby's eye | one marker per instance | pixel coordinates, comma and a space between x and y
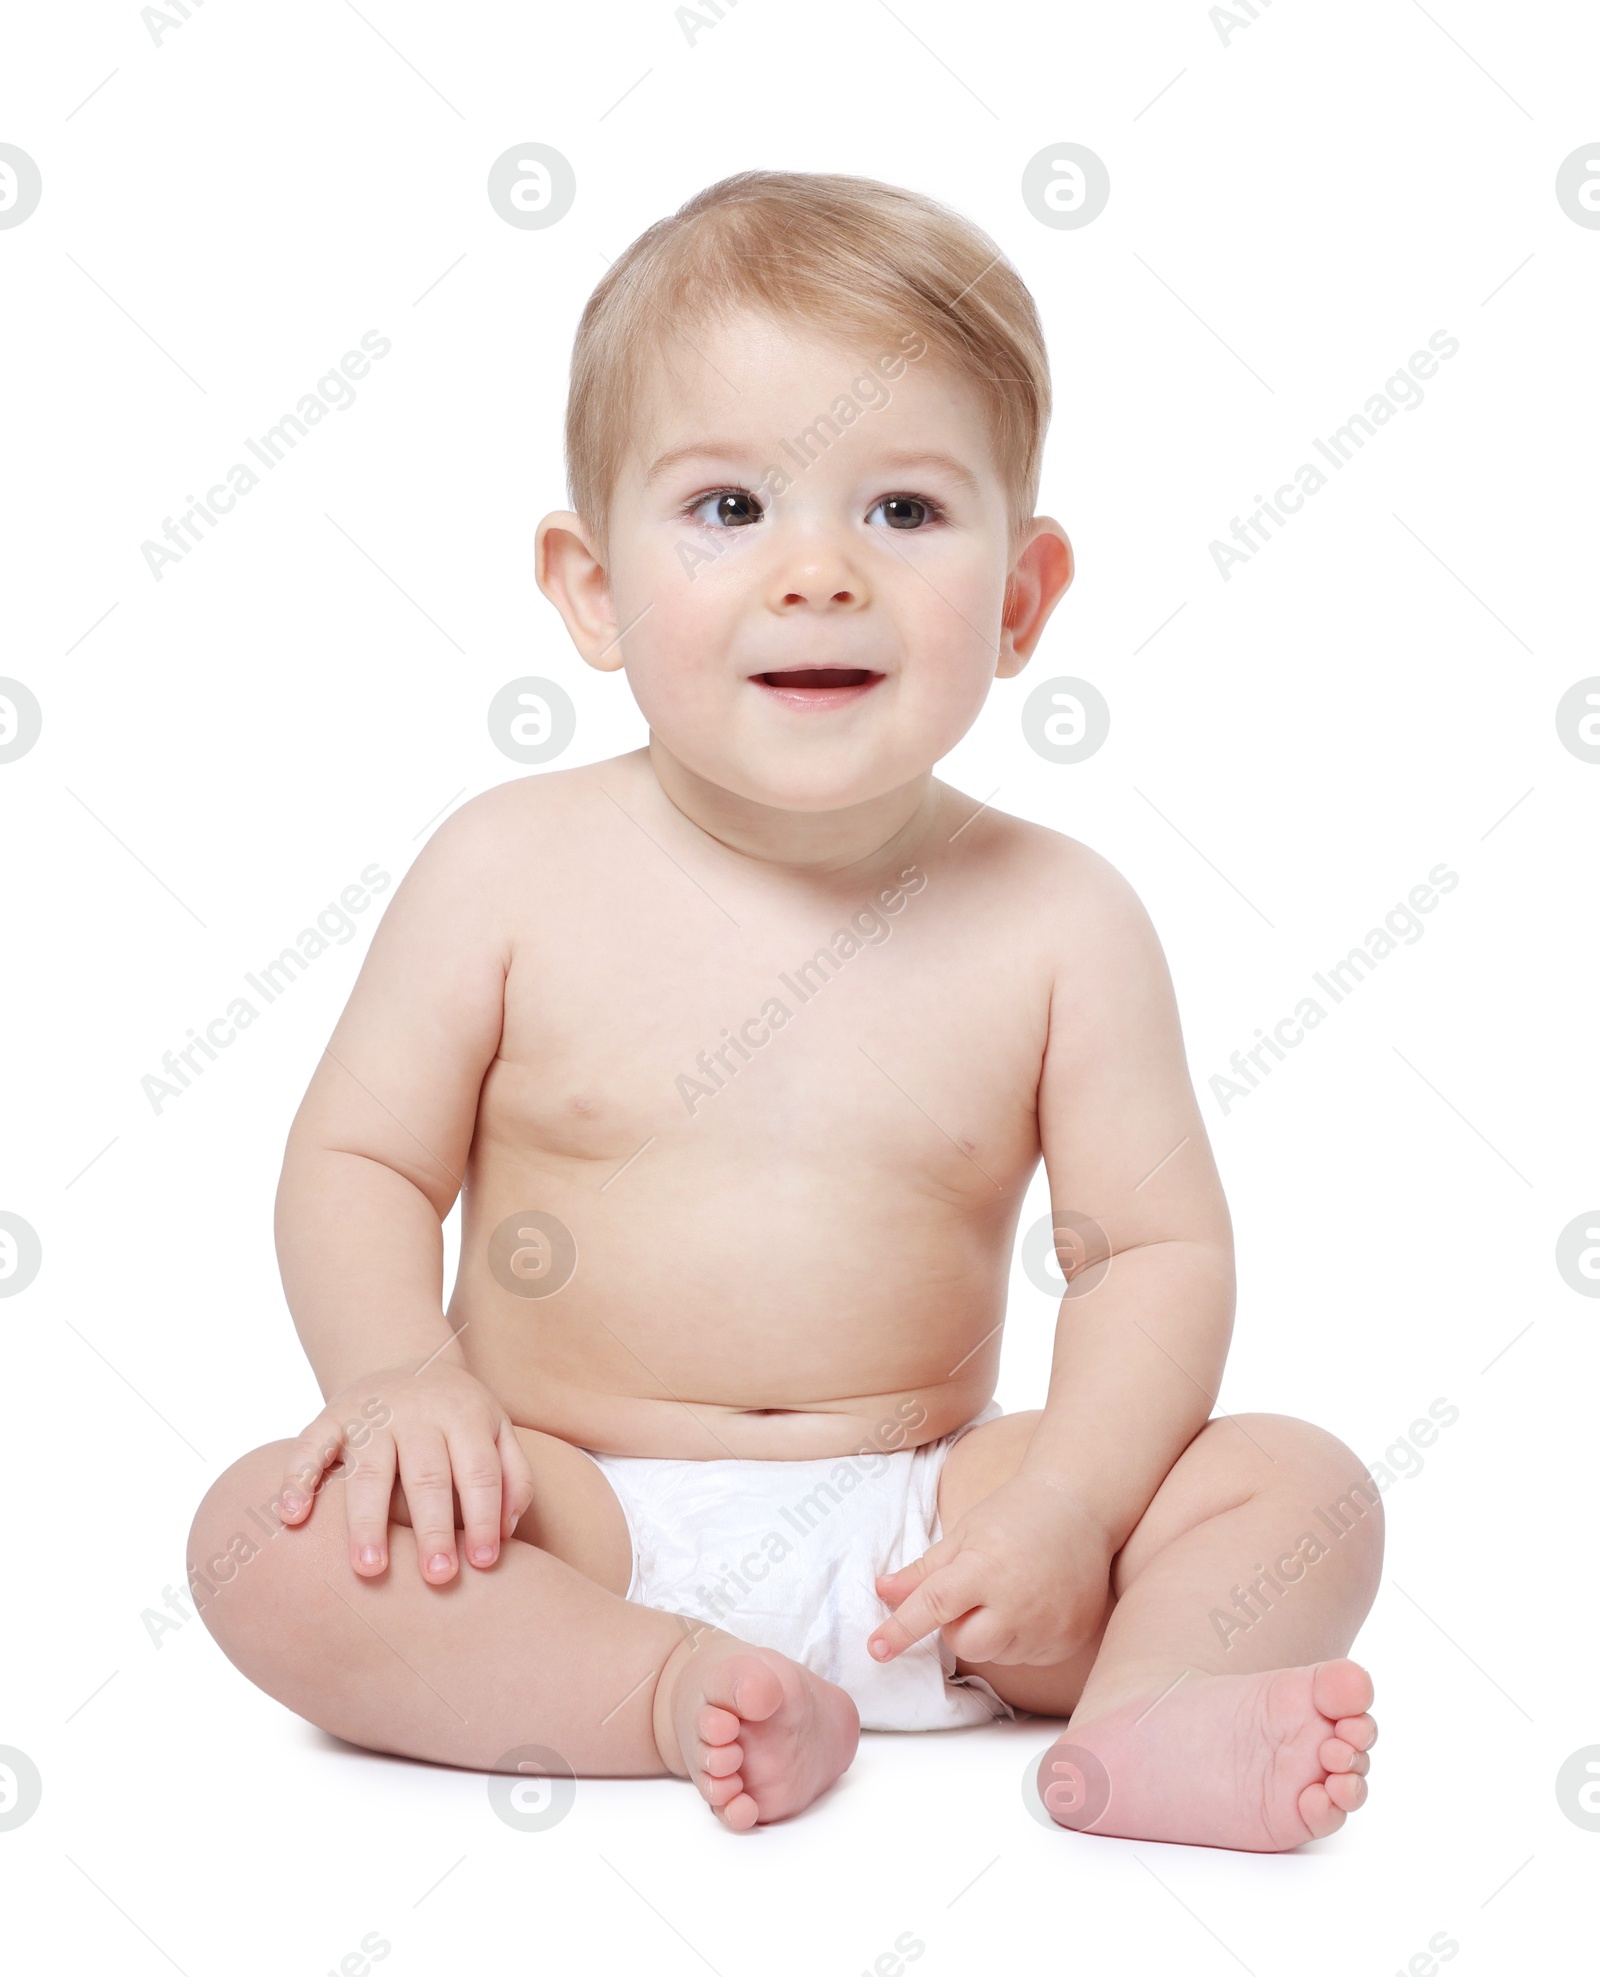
904, 511
732, 508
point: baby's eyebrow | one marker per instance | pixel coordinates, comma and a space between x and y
945, 461
695, 449
731, 451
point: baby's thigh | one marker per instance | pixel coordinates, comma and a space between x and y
247, 1568
575, 1514
981, 1461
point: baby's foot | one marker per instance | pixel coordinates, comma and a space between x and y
759, 1735
1262, 1762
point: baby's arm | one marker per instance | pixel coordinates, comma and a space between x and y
374, 1162
1140, 1345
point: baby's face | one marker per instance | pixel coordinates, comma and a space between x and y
813, 595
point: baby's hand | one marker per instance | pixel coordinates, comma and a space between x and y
1022, 1577
438, 1427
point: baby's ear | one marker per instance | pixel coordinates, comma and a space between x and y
569, 571
1040, 572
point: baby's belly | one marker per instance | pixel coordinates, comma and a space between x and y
817, 1273
695, 1429
673, 1381
691, 1327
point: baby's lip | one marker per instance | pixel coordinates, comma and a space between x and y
817, 678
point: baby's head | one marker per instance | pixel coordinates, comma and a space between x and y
804, 438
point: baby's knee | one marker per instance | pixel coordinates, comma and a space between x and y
243, 1561
1274, 1450
1316, 1467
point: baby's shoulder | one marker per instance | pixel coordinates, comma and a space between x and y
1074, 901
1062, 868
525, 817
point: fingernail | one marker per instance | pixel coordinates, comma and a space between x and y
483, 1555
370, 1555
438, 1563
879, 1650
291, 1503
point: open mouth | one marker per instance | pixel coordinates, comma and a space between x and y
803, 686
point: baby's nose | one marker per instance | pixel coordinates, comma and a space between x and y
820, 577
819, 593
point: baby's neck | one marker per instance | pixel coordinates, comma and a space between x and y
824, 842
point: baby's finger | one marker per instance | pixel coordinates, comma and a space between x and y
943, 1596
516, 1479
893, 1587
475, 1463
425, 1478
367, 1495
317, 1446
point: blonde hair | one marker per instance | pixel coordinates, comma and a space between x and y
850, 256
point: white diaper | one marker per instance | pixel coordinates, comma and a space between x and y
783, 1554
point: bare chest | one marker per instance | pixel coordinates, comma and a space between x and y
901, 1031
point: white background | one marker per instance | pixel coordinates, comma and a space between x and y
1290, 753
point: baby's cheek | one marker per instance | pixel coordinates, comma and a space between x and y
943, 691
957, 630
683, 622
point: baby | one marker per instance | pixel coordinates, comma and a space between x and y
740, 1051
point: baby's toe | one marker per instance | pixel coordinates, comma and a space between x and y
719, 1792
1346, 1790
723, 1760
740, 1813
717, 1726
1360, 1732
744, 1683
1340, 1689
1318, 1810
1336, 1755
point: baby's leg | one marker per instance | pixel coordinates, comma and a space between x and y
539, 1650
1216, 1706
